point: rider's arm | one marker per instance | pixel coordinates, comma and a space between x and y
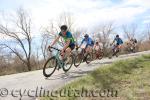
55, 41
113, 42
81, 43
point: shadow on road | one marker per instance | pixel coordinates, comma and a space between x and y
69, 75
77, 73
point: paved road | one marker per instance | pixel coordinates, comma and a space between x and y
19, 86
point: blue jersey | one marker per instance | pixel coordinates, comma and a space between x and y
119, 41
89, 41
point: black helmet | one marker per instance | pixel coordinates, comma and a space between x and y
86, 35
117, 35
63, 27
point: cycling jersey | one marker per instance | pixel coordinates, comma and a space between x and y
70, 37
88, 41
119, 41
97, 47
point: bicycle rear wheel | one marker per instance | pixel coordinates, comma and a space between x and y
101, 55
50, 67
68, 63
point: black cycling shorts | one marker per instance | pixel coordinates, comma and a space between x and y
71, 46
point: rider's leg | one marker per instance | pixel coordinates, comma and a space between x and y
88, 49
68, 50
115, 50
118, 48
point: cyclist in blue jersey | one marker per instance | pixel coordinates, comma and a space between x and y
88, 43
69, 41
118, 41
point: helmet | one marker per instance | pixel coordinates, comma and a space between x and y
117, 35
86, 35
63, 27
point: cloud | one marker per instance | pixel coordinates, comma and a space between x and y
86, 13
91, 12
146, 20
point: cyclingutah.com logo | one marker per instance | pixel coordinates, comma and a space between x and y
65, 92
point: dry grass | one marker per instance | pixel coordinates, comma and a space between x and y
17, 66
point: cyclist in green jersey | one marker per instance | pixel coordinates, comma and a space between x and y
69, 41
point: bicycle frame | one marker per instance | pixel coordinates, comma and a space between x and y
60, 62
115, 48
82, 53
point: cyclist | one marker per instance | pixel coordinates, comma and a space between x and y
118, 44
87, 43
69, 41
133, 42
97, 48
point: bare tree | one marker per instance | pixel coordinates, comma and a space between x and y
20, 35
130, 30
44, 45
67, 19
148, 31
77, 33
103, 34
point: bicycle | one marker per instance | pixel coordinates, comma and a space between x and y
97, 54
114, 51
82, 57
131, 48
55, 62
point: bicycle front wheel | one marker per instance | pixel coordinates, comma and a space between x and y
88, 58
68, 63
50, 67
78, 60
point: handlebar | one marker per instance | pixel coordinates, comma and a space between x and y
53, 48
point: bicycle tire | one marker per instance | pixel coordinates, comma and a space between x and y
101, 55
78, 60
45, 67
88, 60
70, 63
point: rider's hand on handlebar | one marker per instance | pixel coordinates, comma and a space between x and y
49, 46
